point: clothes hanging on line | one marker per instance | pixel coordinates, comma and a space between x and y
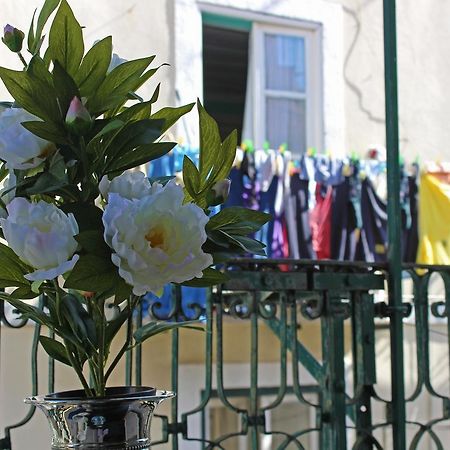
322, 207
434, 221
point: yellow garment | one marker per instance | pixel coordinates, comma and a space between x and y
434, 221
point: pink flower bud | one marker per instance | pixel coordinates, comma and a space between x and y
78, 119
13, 38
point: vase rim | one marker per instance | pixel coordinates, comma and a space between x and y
139, 394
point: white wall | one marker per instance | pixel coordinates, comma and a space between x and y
424, 76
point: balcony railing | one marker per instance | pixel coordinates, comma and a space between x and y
329, 384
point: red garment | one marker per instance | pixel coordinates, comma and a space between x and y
320, 221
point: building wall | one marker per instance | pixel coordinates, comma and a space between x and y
354, 94
424, 76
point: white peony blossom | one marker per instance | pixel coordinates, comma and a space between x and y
20, 148
42, 236
7, 192
130, 185
155, 238
116, 60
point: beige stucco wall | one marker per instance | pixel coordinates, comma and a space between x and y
424, 76
140, 28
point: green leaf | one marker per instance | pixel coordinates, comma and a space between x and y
65, 88
211, 277
112, 125
29, 311
38, 69
210, 141
92, 241
191, 177
115, 87
31, 38
81, 323
94, 66
227, 156
113, 327
171, 115
55, 350
66, 39
31, 93
136, 112
140, 155
47, 130
46, 11
12, 269
133, 135
238, 217
87, 215
93, 273
153, 328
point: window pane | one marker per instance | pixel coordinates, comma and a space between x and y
286, 123
285, 62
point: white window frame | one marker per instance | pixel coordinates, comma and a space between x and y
323, 16
313, 91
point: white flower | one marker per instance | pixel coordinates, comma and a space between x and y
20, 148
130, 185
155, 238
7, 192
116, 60
42, 236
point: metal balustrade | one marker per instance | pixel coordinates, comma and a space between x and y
336, 390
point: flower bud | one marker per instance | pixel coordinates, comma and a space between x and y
78, 119
219, 193
13, 38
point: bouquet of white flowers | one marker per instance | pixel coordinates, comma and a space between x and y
79, 226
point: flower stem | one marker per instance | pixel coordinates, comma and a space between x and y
131, 305
70, 354
25, 64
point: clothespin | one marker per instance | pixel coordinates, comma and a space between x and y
266, 146
282, 148
354, 157
311, 152
248, 146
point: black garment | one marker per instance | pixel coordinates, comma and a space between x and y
346, 219
374, 240
411, 241
299, 190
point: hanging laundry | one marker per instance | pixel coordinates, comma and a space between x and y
434, 221
301, 229
412, 232
321, 217
372, 246
346, 220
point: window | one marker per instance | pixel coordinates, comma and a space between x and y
263, 80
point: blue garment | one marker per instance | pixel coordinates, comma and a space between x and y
267, 205
192, 299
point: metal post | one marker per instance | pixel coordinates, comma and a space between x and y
394, 226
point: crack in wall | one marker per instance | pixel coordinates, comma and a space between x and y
351, 85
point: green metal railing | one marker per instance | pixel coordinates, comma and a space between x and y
339, 390
335, 388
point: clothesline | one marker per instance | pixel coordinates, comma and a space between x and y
325, 207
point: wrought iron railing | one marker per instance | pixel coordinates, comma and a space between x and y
327, 397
